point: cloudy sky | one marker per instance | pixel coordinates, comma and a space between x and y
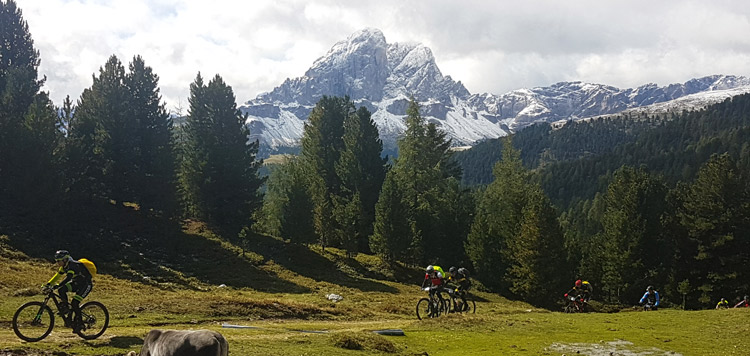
491, 46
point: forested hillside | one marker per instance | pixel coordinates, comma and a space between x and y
572, 160
622, 202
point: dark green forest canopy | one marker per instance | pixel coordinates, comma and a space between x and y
573, 161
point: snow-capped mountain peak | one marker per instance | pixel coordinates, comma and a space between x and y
383, 76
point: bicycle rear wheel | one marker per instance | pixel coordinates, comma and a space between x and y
95, 319
33, 321
470, 306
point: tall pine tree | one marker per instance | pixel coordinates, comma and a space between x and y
634, 251
392, 229
322, 145
516, 243
715, 214
341, 148
288, 207
498, 219
154, 161
361, 170
99, 151
426, 179
219, 170
29, 140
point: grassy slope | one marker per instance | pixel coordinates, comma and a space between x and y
280, 288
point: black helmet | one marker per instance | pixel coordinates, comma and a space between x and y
649, 288
61, 255
429, 269
747, 297
452, 270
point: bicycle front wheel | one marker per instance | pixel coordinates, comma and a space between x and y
95, 319
424, 309
33, 321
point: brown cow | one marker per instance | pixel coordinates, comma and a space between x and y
183, 343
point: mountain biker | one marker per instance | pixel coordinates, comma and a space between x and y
582, 288
77, 279
436, 277
722, 304
460, 277
651, 297
744, 303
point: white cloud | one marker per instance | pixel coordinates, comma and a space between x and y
491, 46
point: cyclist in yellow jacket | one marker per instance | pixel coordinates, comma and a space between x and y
77, 279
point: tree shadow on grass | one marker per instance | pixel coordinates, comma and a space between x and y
184, 259
305, 262
131, 244
143, 247
120, 342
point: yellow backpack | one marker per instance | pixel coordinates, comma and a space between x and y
89, 266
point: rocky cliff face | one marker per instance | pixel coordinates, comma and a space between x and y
383, 76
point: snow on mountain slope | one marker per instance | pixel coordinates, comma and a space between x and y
382, 77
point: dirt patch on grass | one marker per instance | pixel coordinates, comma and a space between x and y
619, 348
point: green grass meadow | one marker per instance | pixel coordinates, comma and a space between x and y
281, 300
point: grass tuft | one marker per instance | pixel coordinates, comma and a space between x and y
26, 292
363, 341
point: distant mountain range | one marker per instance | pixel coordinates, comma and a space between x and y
383, 76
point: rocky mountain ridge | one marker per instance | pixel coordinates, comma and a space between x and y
383, 76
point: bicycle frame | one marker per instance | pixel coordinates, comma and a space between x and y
436, 300
455, 296
56, 299
577, 302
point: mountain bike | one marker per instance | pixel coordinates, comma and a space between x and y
461, 302
34, 321
575, 304
431, 307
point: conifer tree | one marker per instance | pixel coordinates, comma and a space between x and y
715, 215
341, 149
100, 155
219, 170
498, 219
193, 146
19, 61
38, 184
361, 171
322, 145
24, 114
424, 174
538, 269
154, 162
634, 253
392, 229
288, 206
